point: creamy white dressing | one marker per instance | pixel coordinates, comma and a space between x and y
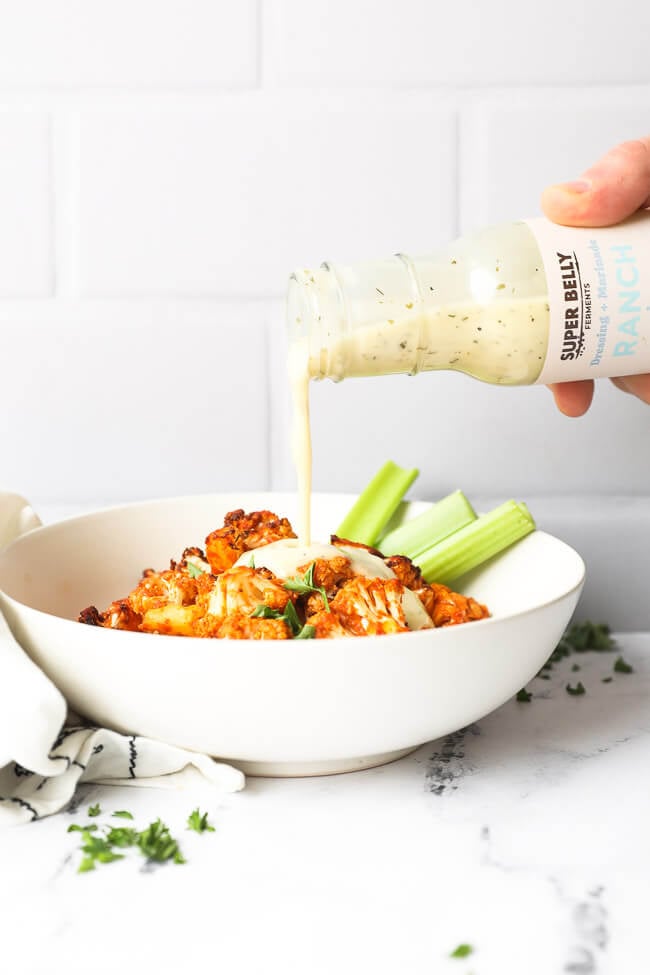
502, 341
301, 440
284, 557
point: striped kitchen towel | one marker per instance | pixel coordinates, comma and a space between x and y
45, 752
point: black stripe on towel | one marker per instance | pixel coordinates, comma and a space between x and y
20, 802
133, 756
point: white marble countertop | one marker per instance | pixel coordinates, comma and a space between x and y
525, 836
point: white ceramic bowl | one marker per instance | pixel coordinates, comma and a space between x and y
274, 707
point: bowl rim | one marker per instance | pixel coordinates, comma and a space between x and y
63, 523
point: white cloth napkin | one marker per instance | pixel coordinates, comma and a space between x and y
43, 756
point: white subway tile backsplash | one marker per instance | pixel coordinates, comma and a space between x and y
150, 216
227, 200
133, 401
25, 205
433, 42
146, 43
514, 143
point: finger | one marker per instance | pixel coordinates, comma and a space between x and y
574, 398
612, 189
638, 386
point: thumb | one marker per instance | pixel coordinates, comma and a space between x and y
611, 190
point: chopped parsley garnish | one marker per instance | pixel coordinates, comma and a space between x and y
578, 638
589, 636
306, 585
291, 617
94, 810
96, 850
194, 571
155, 842
266, 613
575, 667
575, 691
199, 822
621, 667
308, 632
462, 951
122, 836
524, 696
288, 616
123, 814
606, 680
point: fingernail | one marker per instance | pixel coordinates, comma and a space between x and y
577, 186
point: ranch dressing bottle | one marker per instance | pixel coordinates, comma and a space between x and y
515, 304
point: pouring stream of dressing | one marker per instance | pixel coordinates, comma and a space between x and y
460, 336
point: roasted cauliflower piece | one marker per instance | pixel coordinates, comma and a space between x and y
119, 616
370, 606
192, 558
173, 620
447, 608
241, 626
242, 590
327, 574
173, 587
242, 532
407, 573
327, 625
337, 540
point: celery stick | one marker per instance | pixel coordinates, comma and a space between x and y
440, 520
375, 505
488, 535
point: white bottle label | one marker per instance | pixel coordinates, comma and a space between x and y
599, 296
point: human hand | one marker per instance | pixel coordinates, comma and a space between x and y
614, 188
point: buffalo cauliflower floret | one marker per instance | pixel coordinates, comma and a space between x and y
242, 590
173, 620
407, 573
119, 616
371, 606
327, 574
241, 626
337, 540
447, 608
193, 562
169, 588
327, 625
242, 532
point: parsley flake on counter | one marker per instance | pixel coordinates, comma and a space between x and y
524, 696
94, 810
199, 822
96, 850
462, 951
156, 843
606, 680
575, 667
577, 690
621, 667
589, 636
123, 814
122, 836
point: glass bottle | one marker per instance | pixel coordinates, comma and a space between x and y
513, 304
